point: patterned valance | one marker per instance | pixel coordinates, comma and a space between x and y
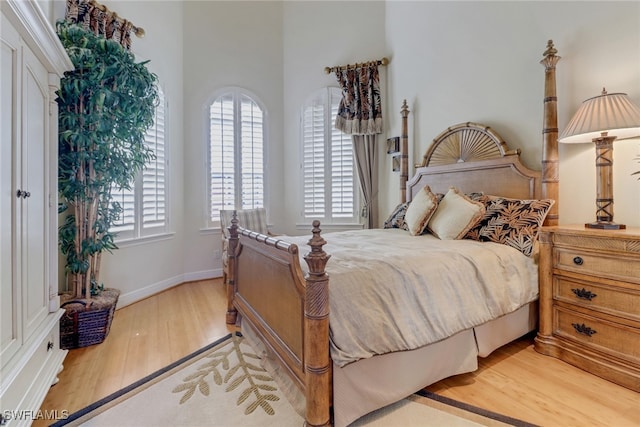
101, 21
360, 110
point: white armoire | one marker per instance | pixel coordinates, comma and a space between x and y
31, 63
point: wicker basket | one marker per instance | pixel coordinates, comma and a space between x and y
87, 322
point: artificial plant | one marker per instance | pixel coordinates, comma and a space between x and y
105, 104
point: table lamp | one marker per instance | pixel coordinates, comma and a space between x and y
601, 120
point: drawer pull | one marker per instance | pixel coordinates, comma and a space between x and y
583, 329
584, 294
578, 260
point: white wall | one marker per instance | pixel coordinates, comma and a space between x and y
228, 44
478, 61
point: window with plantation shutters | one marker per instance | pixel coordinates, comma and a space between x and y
236, 153
144, 206
154, 190
327, 164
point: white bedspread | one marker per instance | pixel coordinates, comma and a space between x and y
391, 291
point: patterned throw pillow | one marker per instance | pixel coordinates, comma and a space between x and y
512, 222
396, 219
455, 215
420, 211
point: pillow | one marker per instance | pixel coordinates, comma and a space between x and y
420, 210
396, 219
456, 214
513, 222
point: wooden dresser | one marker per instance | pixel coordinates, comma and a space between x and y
590, 300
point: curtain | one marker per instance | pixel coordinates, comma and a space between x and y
360, 110
100, 21
360, 115
364, 149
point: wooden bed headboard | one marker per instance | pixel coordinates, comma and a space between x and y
474, 158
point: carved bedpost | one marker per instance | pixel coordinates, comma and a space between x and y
232, 250
550, 180
404, 152
317, 365
545, 268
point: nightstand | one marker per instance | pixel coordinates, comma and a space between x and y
590, 300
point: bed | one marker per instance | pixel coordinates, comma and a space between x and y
285, 309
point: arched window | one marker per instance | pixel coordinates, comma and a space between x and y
235, 153
328, 174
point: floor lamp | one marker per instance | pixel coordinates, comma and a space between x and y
601, 120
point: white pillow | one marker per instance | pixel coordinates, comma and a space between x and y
456, 214
420, 210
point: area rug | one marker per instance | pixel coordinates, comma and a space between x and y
224, 384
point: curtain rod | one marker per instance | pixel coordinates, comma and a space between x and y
383, 61
138, 31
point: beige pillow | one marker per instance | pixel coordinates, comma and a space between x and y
456, 214
420, 210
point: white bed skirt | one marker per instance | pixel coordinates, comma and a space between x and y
369, 384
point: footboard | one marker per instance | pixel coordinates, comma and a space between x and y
288, 310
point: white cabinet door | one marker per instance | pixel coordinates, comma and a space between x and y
24, 192
10, 310
32, 60
34, 172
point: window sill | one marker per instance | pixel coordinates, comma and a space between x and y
135, 241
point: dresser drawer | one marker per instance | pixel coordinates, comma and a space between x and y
615, 301
576, 260
617, 340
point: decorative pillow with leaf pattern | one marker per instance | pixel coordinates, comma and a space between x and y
512, 222
396, 219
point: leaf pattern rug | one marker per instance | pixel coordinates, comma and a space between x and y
224, 384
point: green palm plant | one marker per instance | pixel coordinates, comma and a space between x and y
105, 104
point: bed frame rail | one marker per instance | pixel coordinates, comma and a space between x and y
267, 286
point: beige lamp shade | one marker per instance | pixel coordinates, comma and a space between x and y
613, 113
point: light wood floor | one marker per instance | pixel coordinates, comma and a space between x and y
514, 381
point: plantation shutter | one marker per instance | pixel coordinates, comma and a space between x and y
342, 177
236, 154
222, 155
252, 193
327, 162
313, 159
153, 176
144, 206
127, 219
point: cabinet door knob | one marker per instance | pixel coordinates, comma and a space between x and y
578, 260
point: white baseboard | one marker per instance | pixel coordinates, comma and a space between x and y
203, 275
128, 298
